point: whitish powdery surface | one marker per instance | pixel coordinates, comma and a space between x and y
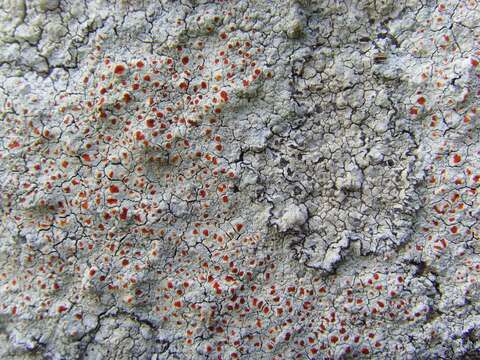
239, 179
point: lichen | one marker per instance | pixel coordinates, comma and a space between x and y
239, 180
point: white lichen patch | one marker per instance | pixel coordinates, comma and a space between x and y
239, 179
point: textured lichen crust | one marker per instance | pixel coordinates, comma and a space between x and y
239, 179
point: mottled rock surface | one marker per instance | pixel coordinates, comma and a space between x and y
239, 179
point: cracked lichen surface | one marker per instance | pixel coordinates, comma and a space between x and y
239, 179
